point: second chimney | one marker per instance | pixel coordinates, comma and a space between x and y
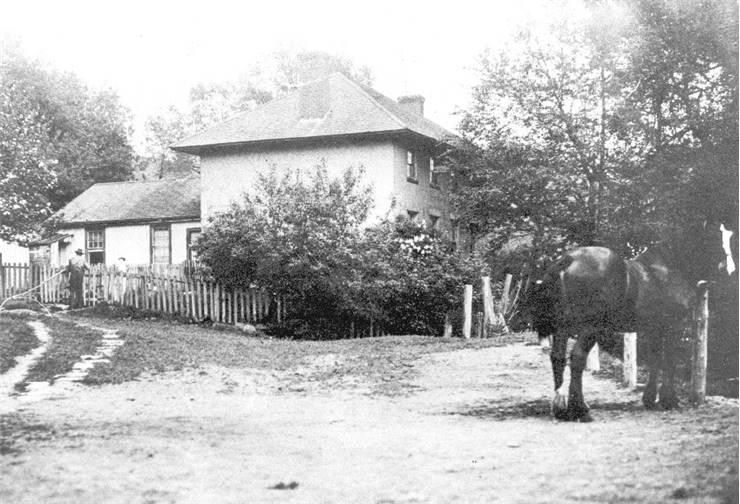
412, 103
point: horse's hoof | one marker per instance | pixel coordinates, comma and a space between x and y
649, 401
669, 403
585, 418
559, 406
579, 415
561, 414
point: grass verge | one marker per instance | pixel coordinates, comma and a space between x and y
16, 339
68, 342
156, 346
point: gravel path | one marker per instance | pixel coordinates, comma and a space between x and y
473, 427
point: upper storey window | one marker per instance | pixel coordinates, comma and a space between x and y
433, 174
411, 168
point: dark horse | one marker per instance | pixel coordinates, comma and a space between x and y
591, 293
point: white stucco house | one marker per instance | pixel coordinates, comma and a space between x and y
150, 222
335, 121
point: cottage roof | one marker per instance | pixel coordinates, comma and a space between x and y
164, 199
49, 239
333, 106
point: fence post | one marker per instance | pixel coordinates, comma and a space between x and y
629, 361
592, 361
488, 314
699, 360
448, 327
467, 311
505, 295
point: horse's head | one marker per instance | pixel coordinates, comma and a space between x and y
707, 251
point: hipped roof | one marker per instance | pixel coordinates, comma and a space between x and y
165, 199
331, 107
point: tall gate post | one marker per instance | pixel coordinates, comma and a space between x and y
699, 360
468, 311
629, 362
592, 362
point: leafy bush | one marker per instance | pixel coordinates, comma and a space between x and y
413, 278
303, 238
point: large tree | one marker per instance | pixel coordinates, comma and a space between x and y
609, 127
58, 137
26, 170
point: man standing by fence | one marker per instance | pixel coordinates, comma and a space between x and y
76, 269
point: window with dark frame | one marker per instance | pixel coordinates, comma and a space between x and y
95, 246
454, 234
433, 174
411, 172
161, 246
412, 215
192, 238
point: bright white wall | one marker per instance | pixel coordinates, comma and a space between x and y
225, 177
67, 251
131, 242
13, 253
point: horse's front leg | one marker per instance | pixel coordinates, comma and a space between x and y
650, 394
577, 408
558, 358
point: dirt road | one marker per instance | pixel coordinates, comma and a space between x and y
473, 427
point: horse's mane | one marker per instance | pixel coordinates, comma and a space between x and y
688, 256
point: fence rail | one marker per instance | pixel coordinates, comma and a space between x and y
146, 289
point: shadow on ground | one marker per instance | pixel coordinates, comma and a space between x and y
509, 408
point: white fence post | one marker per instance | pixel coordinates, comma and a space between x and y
468, 311
592, 362
699, 360
629, 362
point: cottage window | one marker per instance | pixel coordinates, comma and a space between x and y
411, 174
412, 215
454, 233
433, 221
161, 244
193, 235
433, 174
95, 245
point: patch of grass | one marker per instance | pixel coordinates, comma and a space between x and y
68, 343
158, 346
16, 339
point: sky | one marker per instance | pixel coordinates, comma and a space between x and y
153, 52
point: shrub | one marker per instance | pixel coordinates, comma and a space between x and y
302, 238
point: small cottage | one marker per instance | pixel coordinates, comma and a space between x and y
150, 222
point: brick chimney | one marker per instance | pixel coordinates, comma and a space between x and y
412, 103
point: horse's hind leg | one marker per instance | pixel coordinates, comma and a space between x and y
558, 358
667, 396
653, 360
577, 408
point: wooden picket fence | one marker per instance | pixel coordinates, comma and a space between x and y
169, 292
14, 279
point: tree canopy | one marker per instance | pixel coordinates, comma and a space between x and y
614, 127
58, 138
